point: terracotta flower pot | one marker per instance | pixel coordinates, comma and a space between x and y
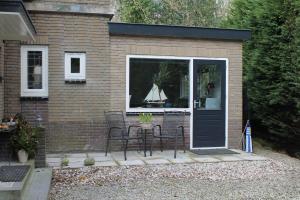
23, 156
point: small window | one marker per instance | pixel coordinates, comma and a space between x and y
34, 71
75, 66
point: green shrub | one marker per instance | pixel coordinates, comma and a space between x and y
26, 137
271, 66
89, 161
65, 162
145, 117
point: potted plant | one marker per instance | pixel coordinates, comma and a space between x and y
145, 120
64, 161
25, 141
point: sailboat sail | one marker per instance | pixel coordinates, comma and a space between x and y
155, 96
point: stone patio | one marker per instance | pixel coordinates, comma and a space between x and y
76, 160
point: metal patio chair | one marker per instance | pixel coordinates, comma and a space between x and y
117, 130
172, 128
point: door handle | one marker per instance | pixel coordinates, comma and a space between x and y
195, 103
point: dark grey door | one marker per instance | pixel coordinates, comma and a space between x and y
209, 103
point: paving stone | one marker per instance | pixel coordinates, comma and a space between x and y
72, 160
157, 161
228, 158
98, 154
137, 158
75, 165
75, 155
102, 159
105, 164
206, 159
53, 164
182, 160
237, 150
51, 160
191, 155
165, 154
130, 156
131, 162
148, 157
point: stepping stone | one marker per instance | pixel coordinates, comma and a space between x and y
131, 162
105, 164
97, 154
182, 160
53, 160
206, 159
53, 164
102, 159
75, 155
74, 160
157, 161
75, 165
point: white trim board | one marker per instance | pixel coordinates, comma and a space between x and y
190, 109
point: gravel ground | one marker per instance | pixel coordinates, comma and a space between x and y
278, 178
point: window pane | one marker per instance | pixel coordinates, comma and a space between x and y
159, 83
34, 65
75, 65
209, 87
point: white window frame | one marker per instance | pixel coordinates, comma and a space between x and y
128, 109
25, 92
190, 109
75, 76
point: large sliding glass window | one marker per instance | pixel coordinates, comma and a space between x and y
158, 83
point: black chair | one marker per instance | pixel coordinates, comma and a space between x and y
172, 128
117, 130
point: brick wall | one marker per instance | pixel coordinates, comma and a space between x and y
75, 111
122, 46
1, 80
12, 77
32, 110
73, 114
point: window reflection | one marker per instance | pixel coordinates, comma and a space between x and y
34, 70
158, 83
209, 87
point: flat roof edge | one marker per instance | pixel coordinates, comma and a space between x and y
18, 6
129, 29
73, 8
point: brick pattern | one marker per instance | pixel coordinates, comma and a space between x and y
31, 110
12, 78
69, 105
122, 46
76, 110
74, 113
1, 81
